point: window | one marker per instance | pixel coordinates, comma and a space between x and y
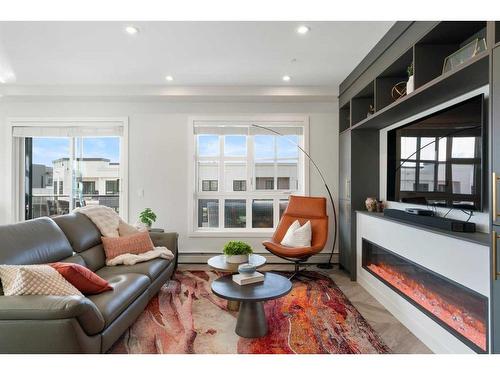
239, 185
78, 169
112, 187
209, 185
243, 174
88, 187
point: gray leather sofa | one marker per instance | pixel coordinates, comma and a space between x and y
73, 324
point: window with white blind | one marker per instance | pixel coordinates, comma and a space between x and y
242, 174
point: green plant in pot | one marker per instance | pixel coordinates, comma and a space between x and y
147, 217
237, 252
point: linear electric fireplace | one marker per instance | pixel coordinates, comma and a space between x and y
460, 310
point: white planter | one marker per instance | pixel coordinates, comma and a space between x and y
410, 85
237, 258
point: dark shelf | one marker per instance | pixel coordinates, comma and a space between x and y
469, 76
360, 104
345, 117
395, 73
441, 42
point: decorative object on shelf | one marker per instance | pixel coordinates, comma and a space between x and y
464, 54
147, 217
371, 204
237, 252
398, 90
380, 206
247, 268
371, 110
410, 84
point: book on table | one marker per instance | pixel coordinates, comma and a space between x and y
245, 279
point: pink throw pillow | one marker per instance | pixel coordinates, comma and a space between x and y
134, 244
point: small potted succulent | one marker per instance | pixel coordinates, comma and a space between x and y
237, 252
147, 217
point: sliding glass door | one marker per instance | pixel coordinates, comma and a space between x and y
62, 173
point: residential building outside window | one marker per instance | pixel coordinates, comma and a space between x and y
70, 172
243, 175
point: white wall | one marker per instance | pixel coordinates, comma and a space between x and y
158, 156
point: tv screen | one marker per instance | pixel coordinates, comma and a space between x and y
438, 160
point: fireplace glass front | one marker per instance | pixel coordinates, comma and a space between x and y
460, 310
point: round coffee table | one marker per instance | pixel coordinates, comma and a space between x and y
218, 262
252, 320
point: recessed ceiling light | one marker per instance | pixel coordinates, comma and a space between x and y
169, 78
303, 29
132, 30
286, 78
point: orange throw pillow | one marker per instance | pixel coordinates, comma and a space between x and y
137, 243
82, 278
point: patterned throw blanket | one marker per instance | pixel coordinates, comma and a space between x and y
110, 224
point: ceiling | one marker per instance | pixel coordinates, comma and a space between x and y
250, 54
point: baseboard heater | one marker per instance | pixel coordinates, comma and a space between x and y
432, 221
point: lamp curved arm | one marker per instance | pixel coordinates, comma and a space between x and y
322, 178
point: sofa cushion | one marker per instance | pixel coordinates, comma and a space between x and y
136, 243
35, 241
80, 230
126, 289
151, 268
94, 257
82, 278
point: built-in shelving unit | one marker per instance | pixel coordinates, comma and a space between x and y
367, 103
431, 85
345, 117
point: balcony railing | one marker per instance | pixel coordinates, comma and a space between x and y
54, 205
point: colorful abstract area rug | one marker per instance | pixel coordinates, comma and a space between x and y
186, 317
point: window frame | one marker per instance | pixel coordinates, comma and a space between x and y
250, 194
15, 153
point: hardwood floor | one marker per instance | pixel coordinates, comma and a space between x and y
392, 332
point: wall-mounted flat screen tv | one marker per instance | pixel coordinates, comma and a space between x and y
439, 160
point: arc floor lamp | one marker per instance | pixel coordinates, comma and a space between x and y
329, 264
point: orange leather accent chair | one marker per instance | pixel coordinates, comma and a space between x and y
301, 209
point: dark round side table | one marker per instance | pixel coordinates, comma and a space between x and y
252, 320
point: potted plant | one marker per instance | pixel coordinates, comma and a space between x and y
147, 217
410, 84
237, 252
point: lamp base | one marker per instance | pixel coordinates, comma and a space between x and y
325, 266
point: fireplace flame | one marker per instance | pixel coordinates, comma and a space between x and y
455, 316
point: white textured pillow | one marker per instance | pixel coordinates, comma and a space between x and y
298, 236
35, 280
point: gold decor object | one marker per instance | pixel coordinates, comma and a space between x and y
398, 90
464, 54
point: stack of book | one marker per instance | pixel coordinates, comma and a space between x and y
248, 278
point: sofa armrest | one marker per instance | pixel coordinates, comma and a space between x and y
52, 308
167, 239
